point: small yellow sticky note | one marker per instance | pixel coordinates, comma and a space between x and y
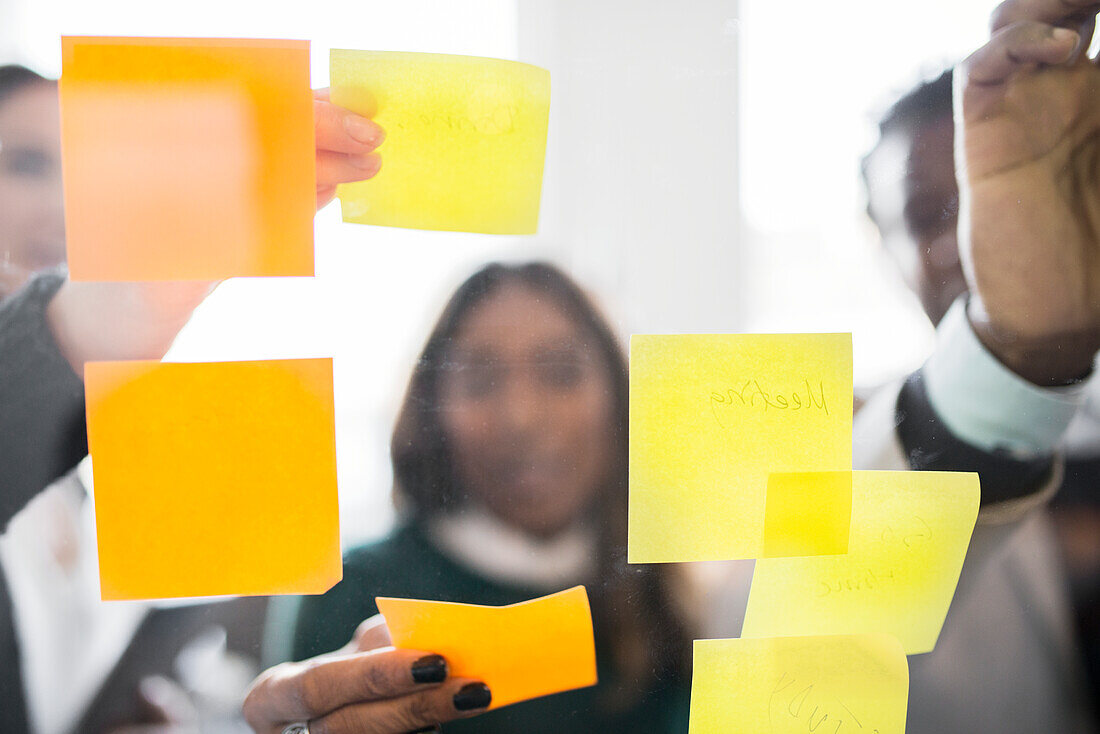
213, 478
711, 417
909, 536
793, 685
520, 651
465, 140
807, 514
187, 158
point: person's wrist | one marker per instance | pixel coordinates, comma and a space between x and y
1048, 359
60, 320
121, 321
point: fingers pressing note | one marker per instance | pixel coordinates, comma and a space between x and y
371, 634
341, 131
1062, 12
345, 145
423, 711
1016, 46
336, 168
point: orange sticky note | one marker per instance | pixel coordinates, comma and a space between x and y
520, 651
187, 158
214, 478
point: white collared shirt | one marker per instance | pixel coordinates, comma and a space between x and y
69, 639
505, 554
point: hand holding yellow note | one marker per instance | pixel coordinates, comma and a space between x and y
215, 478
520, 651
711, 417
465, 140
789, 685
909, 536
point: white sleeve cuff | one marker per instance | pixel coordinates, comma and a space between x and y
987, 405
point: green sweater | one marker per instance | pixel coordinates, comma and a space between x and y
407, 564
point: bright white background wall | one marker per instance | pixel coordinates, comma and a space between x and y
702, 175
815, 75
9, 27
641, 183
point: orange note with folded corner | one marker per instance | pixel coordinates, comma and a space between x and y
213, 478
187, 158
520, 651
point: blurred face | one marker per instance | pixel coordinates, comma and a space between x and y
915, 203
32, 224
527, 409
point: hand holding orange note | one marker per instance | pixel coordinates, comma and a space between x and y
216, 478
465, 140
521, 651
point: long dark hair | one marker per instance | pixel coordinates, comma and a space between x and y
651, 644
14, 77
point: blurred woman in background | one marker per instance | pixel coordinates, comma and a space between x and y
510, 475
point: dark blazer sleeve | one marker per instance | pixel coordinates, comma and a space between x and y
42, 436
42, 432
930, 446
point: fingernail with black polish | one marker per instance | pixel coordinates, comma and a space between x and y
430, 669
473, 696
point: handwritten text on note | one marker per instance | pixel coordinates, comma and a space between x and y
909, 535
465, 140
752, 395
711, 417
841, 684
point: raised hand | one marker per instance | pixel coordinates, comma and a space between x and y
1028, 159
345, 145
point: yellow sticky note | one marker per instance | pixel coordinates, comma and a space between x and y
793, 685
520, 651
909, 536
187, 158
711, 417
465, 140
215, 478
807, 514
